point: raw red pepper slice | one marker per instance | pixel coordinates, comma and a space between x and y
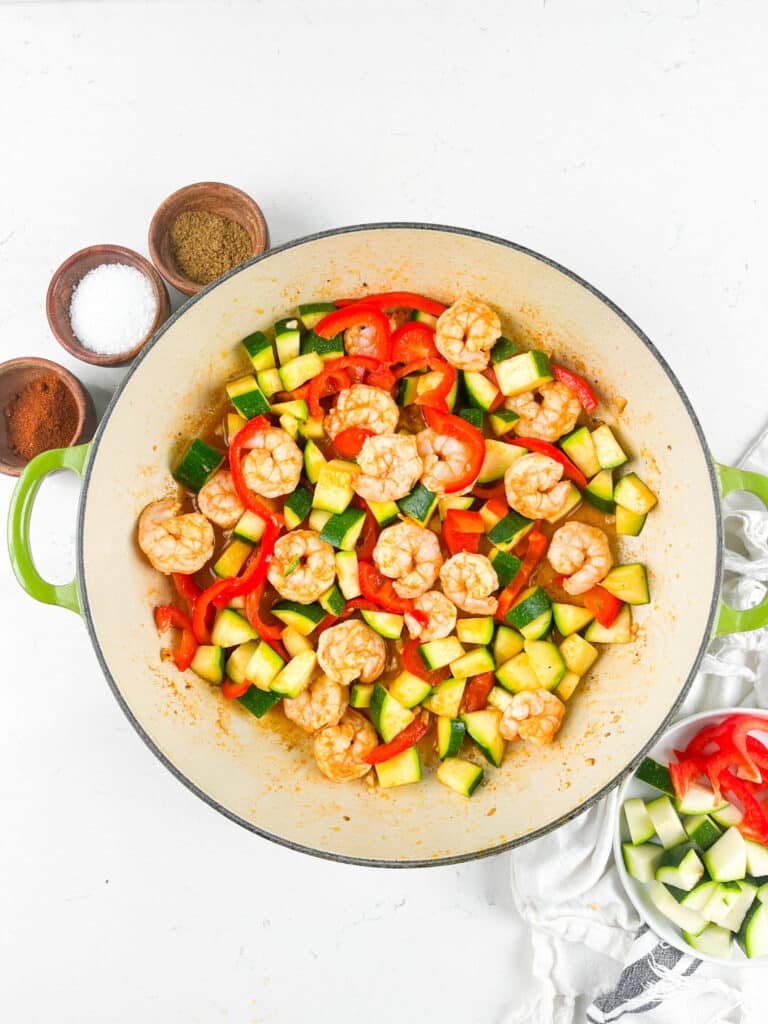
410, 735
335, 377
469, 437
231, 691
477, 690
266, 630
169, 615
240, 442
735, 739
577, 385
414, 342
683, 773
359, 314
349, 442
754, 823
703, 738
413, 663
462, 530
603, 605
393, 300
536, 547
377, 588
759, 755
570, 472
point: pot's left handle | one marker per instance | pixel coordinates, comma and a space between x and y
734, 620
19, 515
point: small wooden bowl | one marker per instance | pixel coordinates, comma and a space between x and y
213, 197
72, 271
17, 373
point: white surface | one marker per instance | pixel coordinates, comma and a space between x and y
623, 139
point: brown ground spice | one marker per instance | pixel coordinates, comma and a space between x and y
42, 415
205, 246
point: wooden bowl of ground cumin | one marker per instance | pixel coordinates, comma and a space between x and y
43, 406
203, 231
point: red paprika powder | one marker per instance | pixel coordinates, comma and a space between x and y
41, 416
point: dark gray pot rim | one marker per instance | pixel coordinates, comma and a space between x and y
374, 862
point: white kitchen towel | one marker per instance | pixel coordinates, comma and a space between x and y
593, 959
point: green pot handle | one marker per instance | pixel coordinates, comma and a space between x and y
731, 620
19, 515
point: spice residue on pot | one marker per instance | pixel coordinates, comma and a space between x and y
41, 416
112, 308
205, 245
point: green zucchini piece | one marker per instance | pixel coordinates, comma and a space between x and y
318, 517
296, 407
326, 348
507, 643
702, 831
629, 583
445, 698
523, 372
258, 702
638, 821
360, 695
699, 800
238, 660
474, 663
197, 465
546, 661
260, 351
726, 859
475, 631
502, 421
439, 653
571, 502
343, 530
312, 313
231, 629
483, 728
510, 530
208, 663
568, 684
264, 666
287, 340
384, 512
532, 603
419, 505
503, 349
620, 632
680, 867
449, 501
296, 675
668, 826
641, 861
269, 382
294, 642
609, 452
632, 494
233, 422
312, 428
629, 524
400, 770
517, 674
656, 775
332, 600
499, 698
463, 777
580, 449
249, 527
599, 491
757, 859
424, 318
714, 941
665, 902
450, 736
298, 371
499, 456
473, 416
539, 627
578, 654
570, 618
304, 618
481, 392
333, 488
753, 934
389, 717
386, 624
314, 460
296, 507
247, 397
348, 574
729, 904
729, 815
232, 558
409, 690
505, 565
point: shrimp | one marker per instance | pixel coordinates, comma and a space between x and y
273, 466
362, 406
534, 487
360, 340
218, 500
409, 555
469, 580
533, 715
551, 417
175, 543
350, 651
466, 332
339, 749
582, 554
302, 567
389, 467
445, 460
440, 613
322, 703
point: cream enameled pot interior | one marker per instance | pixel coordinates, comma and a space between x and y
260, 774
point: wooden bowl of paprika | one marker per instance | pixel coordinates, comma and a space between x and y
44, 406
203, 231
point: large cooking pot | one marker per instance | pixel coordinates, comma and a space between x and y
256, 774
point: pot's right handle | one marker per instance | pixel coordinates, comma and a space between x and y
733, 620
19, 515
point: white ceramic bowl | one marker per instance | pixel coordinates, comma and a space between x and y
677, 737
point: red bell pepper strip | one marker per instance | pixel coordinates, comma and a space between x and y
683, 773
359, 314
709, 734
414, 342
377, 588
266, 630
186, 588
477, 690
577, 385
230, 690
349, 442
734, 741
497, 508
200, 617
603, 605
394, 300
169, 615
535, 550
570, 472
239, 442
755, 822
368, 537
413, 663
462, 530
410, 735
469, 437
437, 397
382, 378
490, 374
759, 755
335, 377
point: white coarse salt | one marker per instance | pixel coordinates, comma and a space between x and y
112, 307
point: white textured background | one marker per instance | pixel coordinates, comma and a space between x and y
625, 139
